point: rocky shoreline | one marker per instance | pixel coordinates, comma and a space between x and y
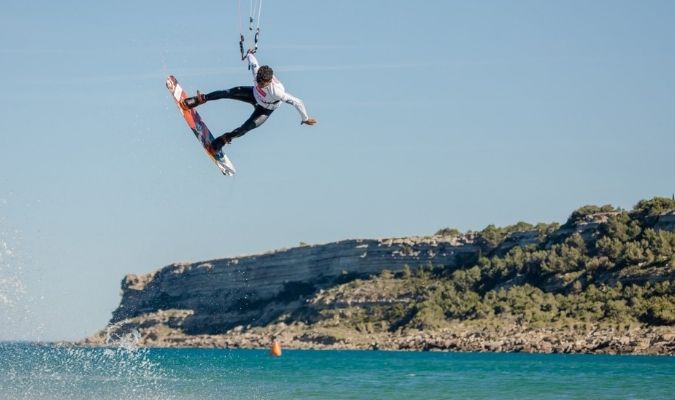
461, 337
601, 283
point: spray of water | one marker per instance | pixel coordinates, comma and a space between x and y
10, 286
57, 371
13, 297
30, 371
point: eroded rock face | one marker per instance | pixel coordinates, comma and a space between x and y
228, 292
246, 301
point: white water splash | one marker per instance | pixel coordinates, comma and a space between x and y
13, 293
66, 372
127, 341
11, 287
42, 371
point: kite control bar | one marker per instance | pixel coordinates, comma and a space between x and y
241, 46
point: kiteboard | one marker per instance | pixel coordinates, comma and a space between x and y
199, 128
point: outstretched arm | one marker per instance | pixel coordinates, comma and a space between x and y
299, 105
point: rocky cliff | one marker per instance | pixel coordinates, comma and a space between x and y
601, 282
224, 293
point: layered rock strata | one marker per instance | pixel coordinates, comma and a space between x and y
221, 294
248, 301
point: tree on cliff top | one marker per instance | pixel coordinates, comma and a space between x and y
452, 232
655, 206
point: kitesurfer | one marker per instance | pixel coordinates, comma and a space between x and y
265, 96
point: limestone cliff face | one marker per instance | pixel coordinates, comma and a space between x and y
228, 292
312, 297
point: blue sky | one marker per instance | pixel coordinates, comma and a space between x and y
432, 115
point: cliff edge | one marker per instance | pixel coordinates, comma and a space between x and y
601, 282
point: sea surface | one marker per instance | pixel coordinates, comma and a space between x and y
30, 371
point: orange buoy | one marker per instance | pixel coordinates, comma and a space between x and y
275, 350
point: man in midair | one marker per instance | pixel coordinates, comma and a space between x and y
265, 96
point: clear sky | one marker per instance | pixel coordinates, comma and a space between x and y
431, 114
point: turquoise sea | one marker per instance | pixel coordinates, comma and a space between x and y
29, 371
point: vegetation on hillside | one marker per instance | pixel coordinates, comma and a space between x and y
604, 266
